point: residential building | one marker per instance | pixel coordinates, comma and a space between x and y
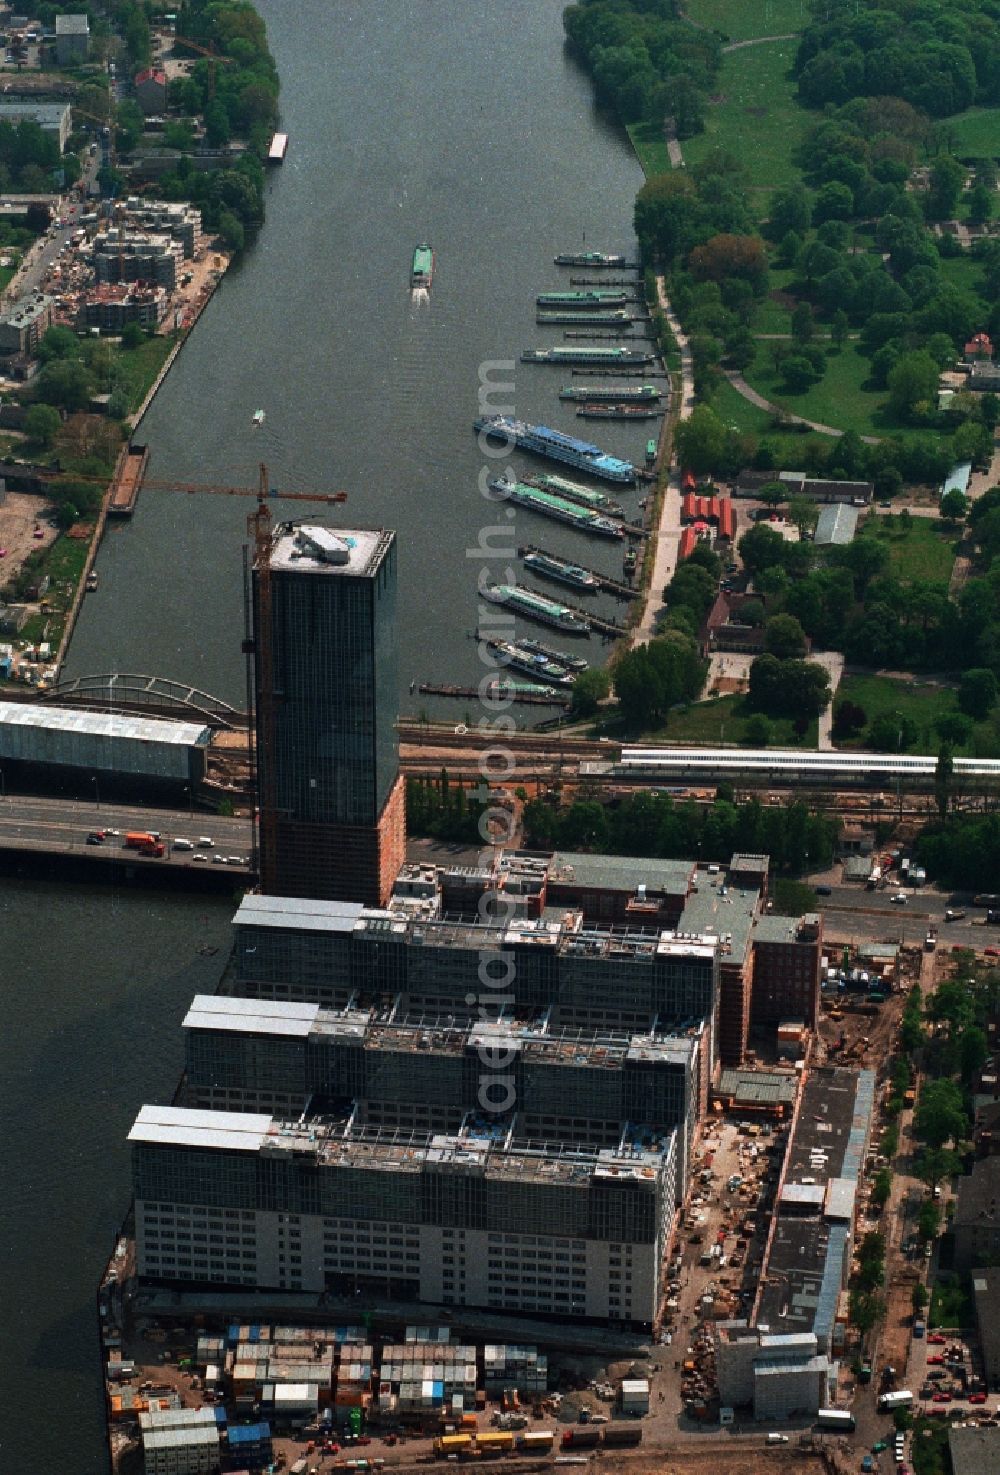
786, 971
150, 87
976, 1222
714, 511
175, 218
72, 39
978, 349
986, 1298
958, 479
112, 307
723, 908
25, 324
332, 798
154, 258
723, 630
464, 1219
51, 117
984, 376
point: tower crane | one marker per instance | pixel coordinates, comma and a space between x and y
214, 57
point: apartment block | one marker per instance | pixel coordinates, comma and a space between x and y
786, 969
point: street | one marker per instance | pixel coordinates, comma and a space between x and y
61, 826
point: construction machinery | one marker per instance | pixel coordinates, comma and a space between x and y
214, 57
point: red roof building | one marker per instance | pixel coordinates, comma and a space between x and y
689, 539
978, 348
715, 510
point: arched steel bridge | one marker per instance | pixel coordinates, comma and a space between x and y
119, 691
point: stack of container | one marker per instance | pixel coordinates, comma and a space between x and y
210, 1349
247, 1447
354, 1377
428, 1377
515, 1366
428, 1334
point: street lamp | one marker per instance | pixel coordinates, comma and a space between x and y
97, 792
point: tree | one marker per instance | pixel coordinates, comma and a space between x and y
725, 256
701, 440
799, 373
943, 772
839, 326
42, 423
940, 1115
977, 692
954, 728
912, 383
947, 177
761, 548
132, 336
58, 343
835, 201
803, 512
790, 210
787, 688
928, 1220
66, 383
919, 1296
590, 688
882, 1187
757, 731
980, 202
784, 637
954, 505
891, 732
802, 323
231, 231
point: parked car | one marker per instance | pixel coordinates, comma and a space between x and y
977, 1397
936, 1339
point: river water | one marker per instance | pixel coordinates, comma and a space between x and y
455, 121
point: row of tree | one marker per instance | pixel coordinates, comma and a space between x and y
796, 838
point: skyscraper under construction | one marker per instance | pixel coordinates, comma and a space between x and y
332, 818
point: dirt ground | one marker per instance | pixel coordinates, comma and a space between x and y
20, 515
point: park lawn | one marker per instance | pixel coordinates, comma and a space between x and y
771, 316
754, 117
722, 719
837, 400
964, 273
921, 701
743, 20
789, 442
650, 147
951, 1304
920, 548
973, 134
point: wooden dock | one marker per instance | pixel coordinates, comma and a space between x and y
617, 587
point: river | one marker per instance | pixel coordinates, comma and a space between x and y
453, 121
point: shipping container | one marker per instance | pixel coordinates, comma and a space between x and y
621, 1434
451, 1444
495, 1440
581, 1438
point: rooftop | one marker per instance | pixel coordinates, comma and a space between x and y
978, 1194
975, 1449
315, 549
72, 25
621, 872
298, 913
758, 1087
26, 311
104, 724
724, 909
771, 927
753, 864
837, 523
250, 1016
986, 1294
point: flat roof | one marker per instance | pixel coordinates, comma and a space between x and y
315, 548
620, 872
837, 524
726, 909
975, 1449
250, 1016
105, 724
298, 913
177, 1126
758, 1087
773, 927
72, 25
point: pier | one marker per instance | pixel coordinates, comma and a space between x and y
616, 587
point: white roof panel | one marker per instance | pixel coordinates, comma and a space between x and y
298, 914
250, 1016
235, 1131
104, 724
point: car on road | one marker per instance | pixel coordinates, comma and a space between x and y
954, 914
199, 857
823, 890
941, 1398
991, 952
220, 860
95, 838
880, 1446
206, 842
936, 1339
899, 898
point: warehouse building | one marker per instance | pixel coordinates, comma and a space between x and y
62, 740
467, 1219
251, 1055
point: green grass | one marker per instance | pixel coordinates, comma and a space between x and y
919, 549
919, 700
722, 719
740, 20
930, 1447
138, 367
951, 1304
837, 400
789, 444
650, 147
792, 898
755, 117
964, 273
974, 134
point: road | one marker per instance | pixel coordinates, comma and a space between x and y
61, 826
45, 251
853, 911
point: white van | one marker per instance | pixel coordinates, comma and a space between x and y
205, 842
181, 844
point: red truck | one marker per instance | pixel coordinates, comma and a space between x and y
585, 1436
146, 842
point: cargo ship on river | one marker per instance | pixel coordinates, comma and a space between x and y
590, 258
537, 607
574, 491
585, 519
605, 357
594, 297
548, 567
623, 394
422, 269
543, 441
620, 411
530, 663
